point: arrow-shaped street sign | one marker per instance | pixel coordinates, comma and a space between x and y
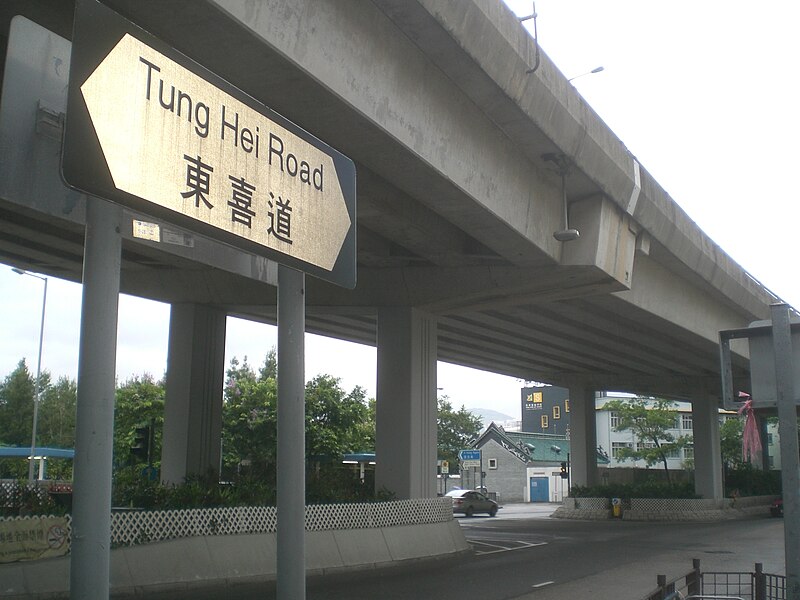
469, 455
200, 152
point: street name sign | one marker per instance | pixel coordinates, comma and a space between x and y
151, 129
470, 458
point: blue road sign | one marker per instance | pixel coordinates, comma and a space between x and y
469, 454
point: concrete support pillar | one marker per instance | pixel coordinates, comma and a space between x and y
193, 404
405, 443
707, 453
582, 436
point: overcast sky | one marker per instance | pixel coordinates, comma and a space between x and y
704, 95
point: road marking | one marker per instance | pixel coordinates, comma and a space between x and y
544, 583
502, 546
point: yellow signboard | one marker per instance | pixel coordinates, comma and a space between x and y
152, 130
33, 537
174, 139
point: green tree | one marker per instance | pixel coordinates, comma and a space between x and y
730, 441
56, 424
269, 370
249, 422
650, 422
455, 430
139, 403
337, 422
333, 417
16, 405
56, 419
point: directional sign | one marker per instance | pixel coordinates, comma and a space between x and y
174, 140
470, 458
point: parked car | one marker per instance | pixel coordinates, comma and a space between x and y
776, 508
470, 502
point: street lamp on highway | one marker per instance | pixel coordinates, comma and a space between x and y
595, 70
37, 389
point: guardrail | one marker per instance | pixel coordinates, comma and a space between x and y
720, 585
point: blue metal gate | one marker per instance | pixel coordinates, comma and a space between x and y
540, 489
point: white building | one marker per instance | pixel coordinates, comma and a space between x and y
611, 441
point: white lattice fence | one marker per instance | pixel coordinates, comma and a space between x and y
11, 491
130, 528
674, 504
592, 503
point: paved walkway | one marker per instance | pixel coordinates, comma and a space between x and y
630, 581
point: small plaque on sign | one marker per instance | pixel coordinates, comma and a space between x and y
146, 231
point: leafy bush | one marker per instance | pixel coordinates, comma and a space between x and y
749, 481
327, 485
646, 489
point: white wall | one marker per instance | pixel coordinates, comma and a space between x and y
559, 488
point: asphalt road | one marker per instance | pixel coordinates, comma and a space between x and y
524, 554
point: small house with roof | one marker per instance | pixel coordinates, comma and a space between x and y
522, 467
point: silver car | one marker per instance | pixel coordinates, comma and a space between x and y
470, 502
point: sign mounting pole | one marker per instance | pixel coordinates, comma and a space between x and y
291, 435
150, 129
94, 428
787, 427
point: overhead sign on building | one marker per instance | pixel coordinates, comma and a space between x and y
150, 129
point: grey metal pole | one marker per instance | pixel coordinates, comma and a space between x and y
291, 561
38, 387
790, 463
94, 429
37, 384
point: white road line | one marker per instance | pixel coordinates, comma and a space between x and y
519, 545
544, 583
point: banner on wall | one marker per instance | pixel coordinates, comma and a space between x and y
29, 538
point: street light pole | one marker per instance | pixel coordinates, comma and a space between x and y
595, 70
37, 388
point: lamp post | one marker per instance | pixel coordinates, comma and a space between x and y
595, 70
38, 374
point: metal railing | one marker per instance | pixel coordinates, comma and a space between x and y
719, 585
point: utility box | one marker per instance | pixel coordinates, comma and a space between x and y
762, 366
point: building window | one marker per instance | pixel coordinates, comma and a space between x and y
492, 463
556, 412
616, 447
688, 452
545, 423
686, 422
614, 420
566, 405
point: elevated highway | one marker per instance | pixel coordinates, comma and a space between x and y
457, 200
463, 132
472, 152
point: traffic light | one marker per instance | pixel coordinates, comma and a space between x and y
141, 443
564, 471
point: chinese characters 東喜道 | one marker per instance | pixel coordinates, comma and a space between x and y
242, 199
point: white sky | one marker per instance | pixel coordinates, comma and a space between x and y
704, 94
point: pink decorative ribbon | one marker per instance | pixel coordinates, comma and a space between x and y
751, 439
